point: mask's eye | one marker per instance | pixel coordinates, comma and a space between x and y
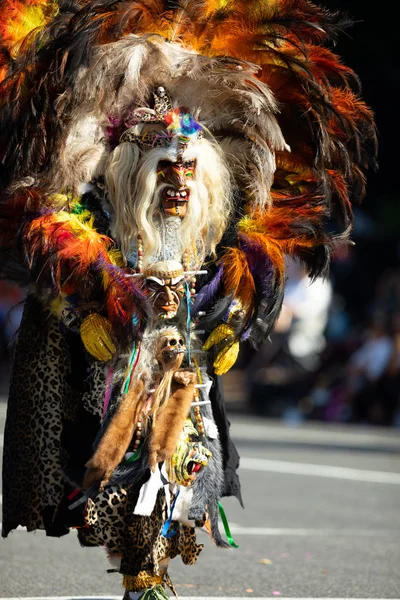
173, 342
189, 167
153, 286
163, 165
180, 341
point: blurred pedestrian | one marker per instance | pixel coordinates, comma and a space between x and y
280, 372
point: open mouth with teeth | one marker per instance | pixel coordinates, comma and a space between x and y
193, 468
170, 353
171, 194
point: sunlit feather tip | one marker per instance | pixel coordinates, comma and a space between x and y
19, 19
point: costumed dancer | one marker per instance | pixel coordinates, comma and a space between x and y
158, 162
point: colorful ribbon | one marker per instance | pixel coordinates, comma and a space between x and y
167, 524
133, 360
225, 523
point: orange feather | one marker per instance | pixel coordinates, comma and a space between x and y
237, 277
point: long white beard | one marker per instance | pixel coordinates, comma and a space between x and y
167, 231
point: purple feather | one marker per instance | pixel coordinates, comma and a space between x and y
209, 293
260, 265
269, 292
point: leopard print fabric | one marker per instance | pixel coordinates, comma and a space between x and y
112, 524
42, 399
105, 518
183, 543
33, 480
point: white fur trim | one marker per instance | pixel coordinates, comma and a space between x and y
182, 506
210, 428
148, 494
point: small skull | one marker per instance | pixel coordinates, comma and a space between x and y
173, 343
170, 348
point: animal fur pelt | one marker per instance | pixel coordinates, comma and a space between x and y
156, 413
125, 474
115, 440
171, 417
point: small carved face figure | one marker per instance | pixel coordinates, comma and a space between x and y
165, 282
189, 458
176, 193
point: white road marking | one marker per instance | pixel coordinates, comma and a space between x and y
238, 530
309, 469
247, 428
293, 468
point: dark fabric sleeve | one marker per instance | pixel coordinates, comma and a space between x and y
230, 454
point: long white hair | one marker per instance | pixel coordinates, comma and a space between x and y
135, 197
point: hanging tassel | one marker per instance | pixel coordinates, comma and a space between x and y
225, 523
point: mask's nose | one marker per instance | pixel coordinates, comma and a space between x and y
167, 295
178, 173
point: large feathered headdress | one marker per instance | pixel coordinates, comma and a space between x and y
256, 74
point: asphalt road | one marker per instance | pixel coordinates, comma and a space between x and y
321, 520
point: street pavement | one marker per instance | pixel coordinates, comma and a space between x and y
321, 520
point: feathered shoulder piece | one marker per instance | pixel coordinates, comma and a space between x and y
258, 75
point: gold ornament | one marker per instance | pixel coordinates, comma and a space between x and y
220, 333
226, 358
141, 581
96, 337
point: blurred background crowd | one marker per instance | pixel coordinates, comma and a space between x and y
335, 352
